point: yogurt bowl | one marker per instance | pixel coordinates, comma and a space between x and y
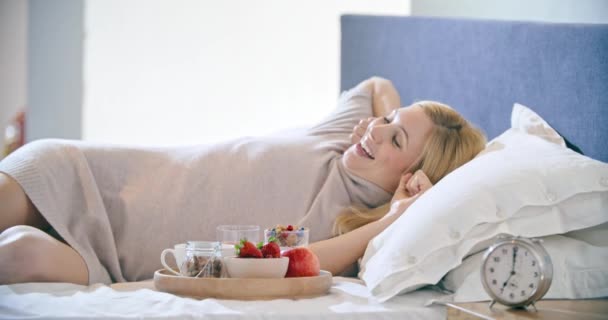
256, 268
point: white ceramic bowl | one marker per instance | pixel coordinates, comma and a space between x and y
256, 268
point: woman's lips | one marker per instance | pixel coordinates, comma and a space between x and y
361, 152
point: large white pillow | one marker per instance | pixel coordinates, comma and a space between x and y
580, 272
524, 185
525, 120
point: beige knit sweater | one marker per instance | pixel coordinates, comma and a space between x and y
120, 206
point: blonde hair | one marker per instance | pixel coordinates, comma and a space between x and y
453, 141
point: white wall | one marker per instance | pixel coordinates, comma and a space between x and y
162, 72
572, 11
13, 54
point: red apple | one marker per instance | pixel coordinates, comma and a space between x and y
302, 263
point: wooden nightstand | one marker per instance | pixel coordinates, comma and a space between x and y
547, 309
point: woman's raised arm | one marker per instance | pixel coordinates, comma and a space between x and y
385, 97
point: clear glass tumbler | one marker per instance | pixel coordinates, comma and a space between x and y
229, 235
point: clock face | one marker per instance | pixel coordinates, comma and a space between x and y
512, 273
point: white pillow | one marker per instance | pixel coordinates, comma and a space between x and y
579, 268
525, 186
525, 120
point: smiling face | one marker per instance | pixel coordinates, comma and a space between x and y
391, 146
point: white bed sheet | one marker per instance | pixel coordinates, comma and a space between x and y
347, 299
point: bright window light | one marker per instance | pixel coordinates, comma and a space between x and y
188, 72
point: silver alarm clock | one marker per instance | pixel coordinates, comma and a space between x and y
516, 271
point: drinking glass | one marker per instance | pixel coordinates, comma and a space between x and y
232, 234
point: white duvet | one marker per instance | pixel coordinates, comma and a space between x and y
347, 299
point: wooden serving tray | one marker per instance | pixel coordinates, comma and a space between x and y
243, 288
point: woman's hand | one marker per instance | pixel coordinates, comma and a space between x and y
359, 130
411, 186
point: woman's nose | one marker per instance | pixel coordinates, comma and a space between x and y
377, 132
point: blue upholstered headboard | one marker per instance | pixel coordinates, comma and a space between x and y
481, 67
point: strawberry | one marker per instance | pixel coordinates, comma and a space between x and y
247, 249
271, 250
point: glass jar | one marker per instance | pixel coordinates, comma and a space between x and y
203, 259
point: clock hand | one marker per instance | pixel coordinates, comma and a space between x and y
514, 258
504, 284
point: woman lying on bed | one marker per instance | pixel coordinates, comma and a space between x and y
73, 211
